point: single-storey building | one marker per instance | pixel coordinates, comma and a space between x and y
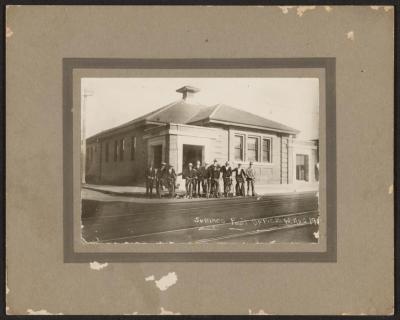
184, 131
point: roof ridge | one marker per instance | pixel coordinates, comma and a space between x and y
217, 106
143, 117
254, 115
157, 111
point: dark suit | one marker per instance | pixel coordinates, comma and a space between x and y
189, 175
201, 180
208, 178
150, 177
215, 175
240, 178
227, 176
171, 180
160, 179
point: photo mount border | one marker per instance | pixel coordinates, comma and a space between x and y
326, 63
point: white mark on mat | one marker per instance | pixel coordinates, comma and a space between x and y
350, 35
328, 8
41, 312
9, 32
238, 229
7, 310
316, 235
259, 312
166, 312
302, 9
285, 9
150, 278
98, 266
273, 241
391, 189
386, 8
130, 314
164, 282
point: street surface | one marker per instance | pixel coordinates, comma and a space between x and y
274, 218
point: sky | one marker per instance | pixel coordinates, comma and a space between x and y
291, 101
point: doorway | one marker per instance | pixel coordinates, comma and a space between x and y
157, 156
302, 167
192, 153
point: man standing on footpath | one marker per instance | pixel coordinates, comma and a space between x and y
201, 181
171, 180
161, 178
215, 175
251, 179
227, 177
240, 175
208, 177
189, 174
150, 176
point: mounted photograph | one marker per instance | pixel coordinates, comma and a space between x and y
200, 160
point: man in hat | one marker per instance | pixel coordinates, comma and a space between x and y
150, 177
215, 175
208, 182
171, 180
227, 177
240, 176
251, 179
189, 174
156, 181
161, 177
200, 178
163, 169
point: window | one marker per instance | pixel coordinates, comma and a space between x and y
115, 150
238, 144
121, 149
133, 148
252, 149
266, 150
107, 151
301, 167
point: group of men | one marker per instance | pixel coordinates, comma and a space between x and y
202, 180
160, 178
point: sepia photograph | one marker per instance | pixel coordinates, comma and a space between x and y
233, 155
199, 160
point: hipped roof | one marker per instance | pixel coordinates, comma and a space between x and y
182, 112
